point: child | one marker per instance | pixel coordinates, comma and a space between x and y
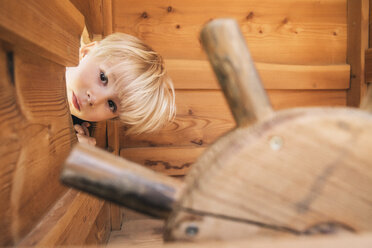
120, 77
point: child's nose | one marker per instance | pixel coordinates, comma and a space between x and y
91, 98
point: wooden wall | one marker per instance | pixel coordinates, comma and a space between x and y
38, 39
300, 50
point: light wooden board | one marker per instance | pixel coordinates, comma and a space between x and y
173, 161
54, 34
203, 116
70, 222
139, 230
302, 172
341, 241
198, 74
283, 32
101, 228
358, 16
36, 135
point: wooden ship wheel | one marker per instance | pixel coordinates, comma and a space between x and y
296, 172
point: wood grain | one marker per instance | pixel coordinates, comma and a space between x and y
116, 216
139, 231
368, 65
102, 174
358, 16
101, 228
203, 116
69, 222
300, 173
233, 65
36, 136
198, 74
172, 161
282, 32
54, 34
92, 11
341, 241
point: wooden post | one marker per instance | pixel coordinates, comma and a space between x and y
113, 178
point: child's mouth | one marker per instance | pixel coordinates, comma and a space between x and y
75, 101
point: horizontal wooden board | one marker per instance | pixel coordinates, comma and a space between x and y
49, 28
283, 32
368, 66
173, 161
203, 116
198, 74
69, 222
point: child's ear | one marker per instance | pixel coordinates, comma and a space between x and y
86, 48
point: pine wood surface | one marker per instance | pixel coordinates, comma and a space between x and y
36, 136
358, 16
138, 231
173, 161
70, 222
283, 32
54, 34
202, 116
198, 74
316, 176
342, 241
92, 11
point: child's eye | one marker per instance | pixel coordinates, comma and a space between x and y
103, 78
112, 106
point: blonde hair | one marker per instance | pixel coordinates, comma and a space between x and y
146, 93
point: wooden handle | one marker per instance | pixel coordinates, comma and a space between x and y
126, 183
234, 67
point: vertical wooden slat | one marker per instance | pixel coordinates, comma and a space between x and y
107, 17
358, 14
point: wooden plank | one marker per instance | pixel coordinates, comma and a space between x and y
368, 64
202, 116
358, 16
139, 230
50, 29
322, 241
69, 222
101, 228
282, 32
98, 131
107, 17
92, 11
172, 161
36, 133
113, 136
116, 217
198, 74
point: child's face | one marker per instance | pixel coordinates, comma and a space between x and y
90, 92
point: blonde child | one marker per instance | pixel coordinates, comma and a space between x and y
120, 77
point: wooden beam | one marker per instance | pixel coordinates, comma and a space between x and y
198, 74
358, 16
30, 25
92, 11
